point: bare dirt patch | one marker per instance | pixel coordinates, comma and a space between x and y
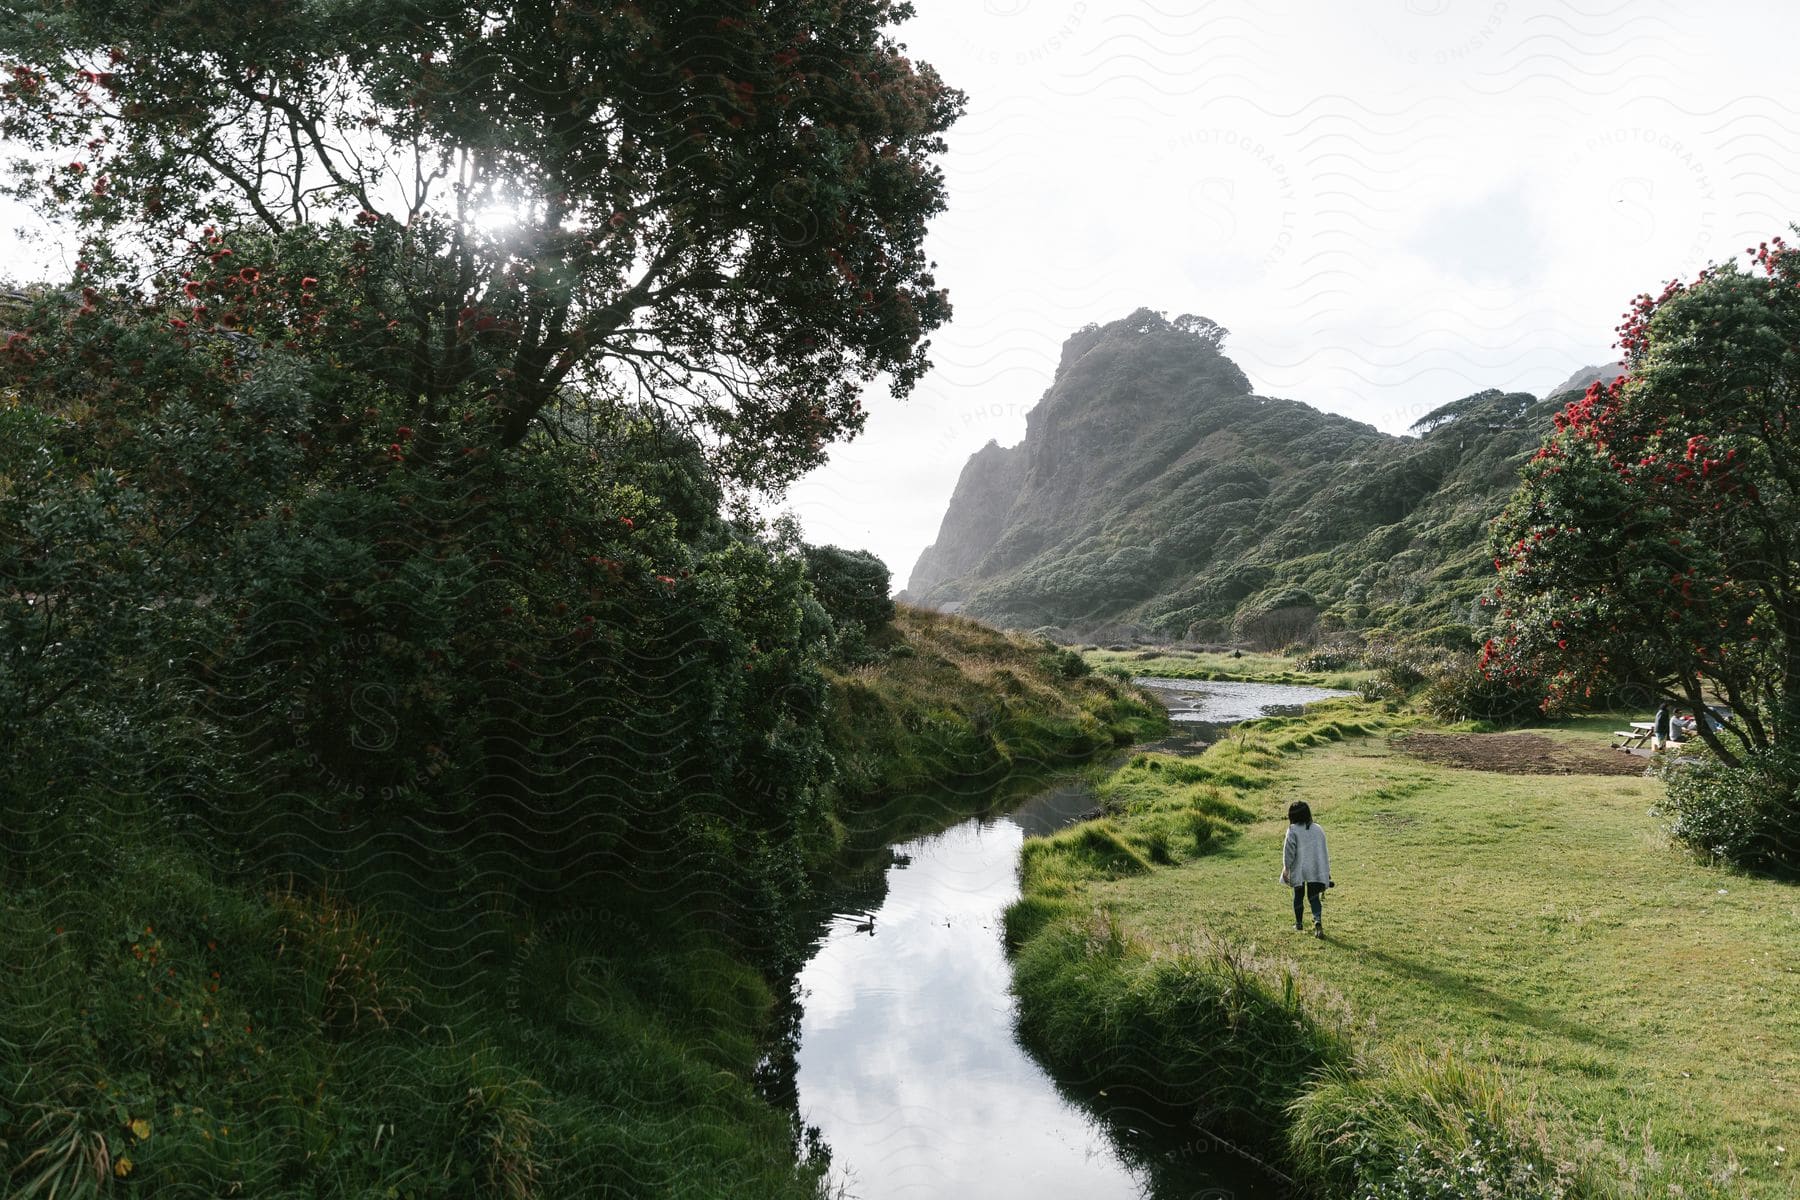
1518, 754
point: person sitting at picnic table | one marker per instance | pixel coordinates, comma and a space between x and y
1661, 727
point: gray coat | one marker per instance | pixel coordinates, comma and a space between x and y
1303, 856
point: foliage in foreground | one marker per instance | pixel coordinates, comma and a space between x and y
177, 1027
383, 810
391, 821
171, 1034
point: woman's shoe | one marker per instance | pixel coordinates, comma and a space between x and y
1318, 929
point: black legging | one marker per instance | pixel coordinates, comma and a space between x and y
1314, 892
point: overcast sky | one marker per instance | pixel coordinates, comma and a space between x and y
1390, 203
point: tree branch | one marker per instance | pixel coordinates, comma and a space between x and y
251, 192
537, 387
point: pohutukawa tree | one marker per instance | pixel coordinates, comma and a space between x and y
489, 207
1655, 538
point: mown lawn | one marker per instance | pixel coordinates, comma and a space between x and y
1537, 922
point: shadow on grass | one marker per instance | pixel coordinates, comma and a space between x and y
1477, 997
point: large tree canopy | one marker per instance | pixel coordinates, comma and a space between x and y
715, 205
1655, 538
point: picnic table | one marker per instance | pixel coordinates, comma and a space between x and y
1683, 731
1641, 732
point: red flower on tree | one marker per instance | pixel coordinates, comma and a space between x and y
1639, 548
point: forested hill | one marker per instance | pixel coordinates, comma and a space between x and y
1154, 488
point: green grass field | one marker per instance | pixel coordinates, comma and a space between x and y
1539, 925
1248, 667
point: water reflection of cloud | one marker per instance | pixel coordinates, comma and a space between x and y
907, 1060
1221, 702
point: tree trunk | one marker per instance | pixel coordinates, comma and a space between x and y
1697, 701
1786, 718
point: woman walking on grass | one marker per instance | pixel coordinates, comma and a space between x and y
1304, 866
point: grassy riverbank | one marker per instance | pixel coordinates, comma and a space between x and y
958, 715
1518, 958
169, 1023
170, 1033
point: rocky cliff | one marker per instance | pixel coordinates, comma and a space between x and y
1154, 489
1578, 382
990, 481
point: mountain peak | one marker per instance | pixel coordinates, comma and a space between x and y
1153, 489
1145, 322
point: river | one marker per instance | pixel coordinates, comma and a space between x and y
906, 1060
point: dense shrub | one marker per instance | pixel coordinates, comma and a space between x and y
852, 585
1461, 691
1064, 663
1340, 657
321, 639
850, 589
1448, 637
1401, 668
1398, 671
1747, 815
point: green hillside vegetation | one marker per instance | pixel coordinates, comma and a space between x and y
174, 1013
1155, 491
384, 813
1524, 990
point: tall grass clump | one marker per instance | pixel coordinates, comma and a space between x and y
1212, 1030
1415, 1125
167, 1029
1396, 671
1408, 1124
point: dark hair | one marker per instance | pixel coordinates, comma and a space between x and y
1300, 813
